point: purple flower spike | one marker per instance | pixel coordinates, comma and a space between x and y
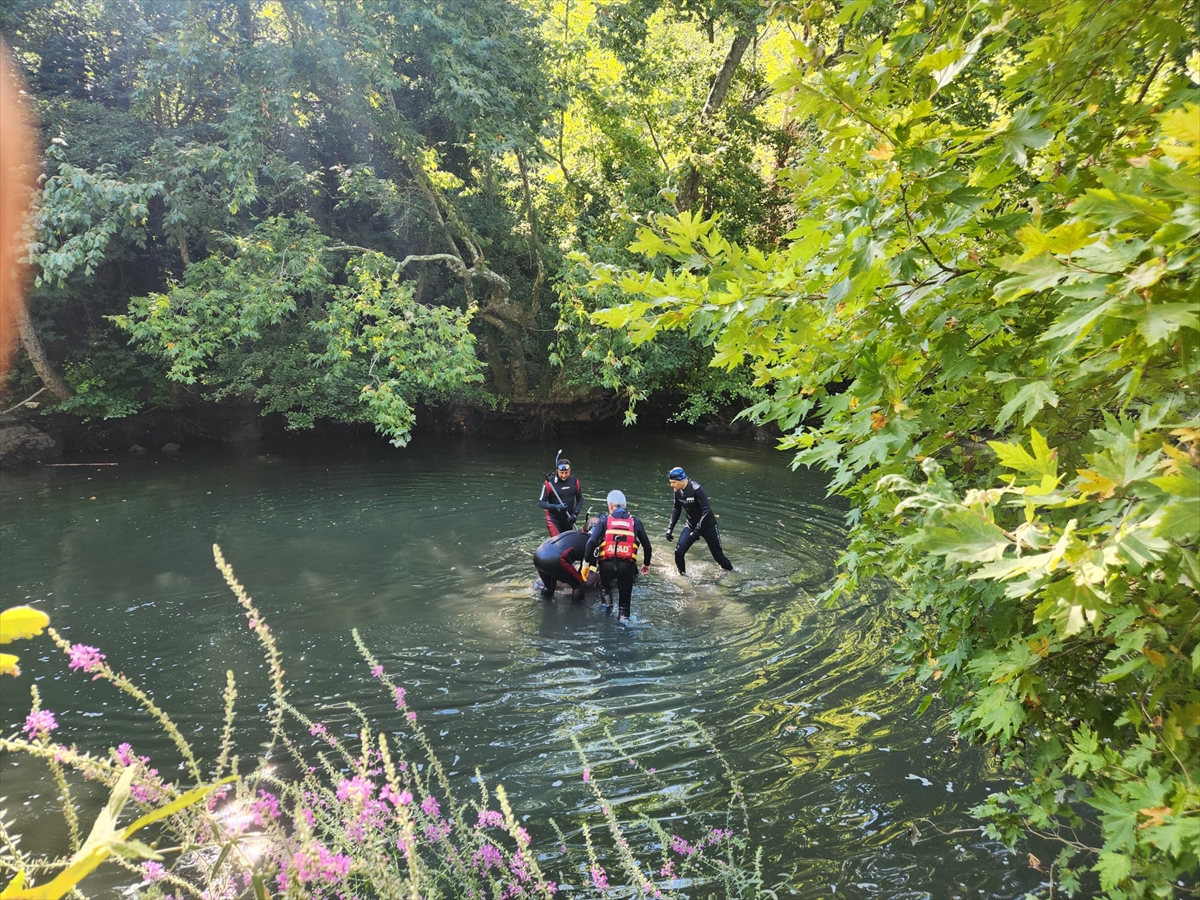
90, 659
39, 724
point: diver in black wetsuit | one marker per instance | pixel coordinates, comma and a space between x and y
561, 499
555, 561
615, 539
701, 523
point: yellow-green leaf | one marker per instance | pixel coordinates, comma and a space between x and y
193, 796
21, 622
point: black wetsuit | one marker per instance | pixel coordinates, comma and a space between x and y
561, 517
701, 523
555, 561
623, 571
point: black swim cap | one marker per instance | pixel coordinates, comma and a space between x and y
677, 474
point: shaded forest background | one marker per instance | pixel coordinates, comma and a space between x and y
348, 212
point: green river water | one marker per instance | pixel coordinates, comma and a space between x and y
427, 551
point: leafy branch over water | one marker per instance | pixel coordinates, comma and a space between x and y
983, 325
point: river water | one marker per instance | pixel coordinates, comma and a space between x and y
427, 552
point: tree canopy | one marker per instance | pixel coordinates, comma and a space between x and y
984, 324
948, 249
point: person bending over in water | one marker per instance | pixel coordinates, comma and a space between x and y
701, 523
615, 539
556, 560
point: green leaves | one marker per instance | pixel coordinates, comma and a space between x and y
398, 350
998, 234
963, 536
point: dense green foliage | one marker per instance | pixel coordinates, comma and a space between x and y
959, 272
195, 148
984, 324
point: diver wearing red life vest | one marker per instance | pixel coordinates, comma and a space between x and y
615, 539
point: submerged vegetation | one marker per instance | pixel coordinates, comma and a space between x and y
948, 249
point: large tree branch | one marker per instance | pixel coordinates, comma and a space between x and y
536, 291
37, 355
689, 183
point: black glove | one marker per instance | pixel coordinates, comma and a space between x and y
571, 517
560, 506
670, 536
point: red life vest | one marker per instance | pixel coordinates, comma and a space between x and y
619, 542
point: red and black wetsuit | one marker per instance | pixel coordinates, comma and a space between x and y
555, 561
701, 523
561, 517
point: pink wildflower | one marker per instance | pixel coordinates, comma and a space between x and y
489, 818
318, 730
125, 754
668, 869
309, 816
682, 847
265, 808
519, 866
321, 866
399, 698
146, 791
437, 831
356, 790
522, 836
599, 878
405, 798
377, 672
84, 657
430, 806
39, 724
152, 871
412, 717
587, 775
486, 857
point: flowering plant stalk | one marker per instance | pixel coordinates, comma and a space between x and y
319, 815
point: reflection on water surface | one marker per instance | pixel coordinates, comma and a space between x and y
428, 553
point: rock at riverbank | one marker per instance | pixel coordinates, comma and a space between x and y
24, 445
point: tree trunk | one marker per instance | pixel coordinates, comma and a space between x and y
535, 293
689, 182
37, 356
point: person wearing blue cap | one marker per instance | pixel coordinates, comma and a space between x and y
615, 539
701, 523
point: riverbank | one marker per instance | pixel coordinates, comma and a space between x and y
32, 437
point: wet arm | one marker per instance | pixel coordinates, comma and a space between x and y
593, 541
703, 510
643, 539
546, 498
